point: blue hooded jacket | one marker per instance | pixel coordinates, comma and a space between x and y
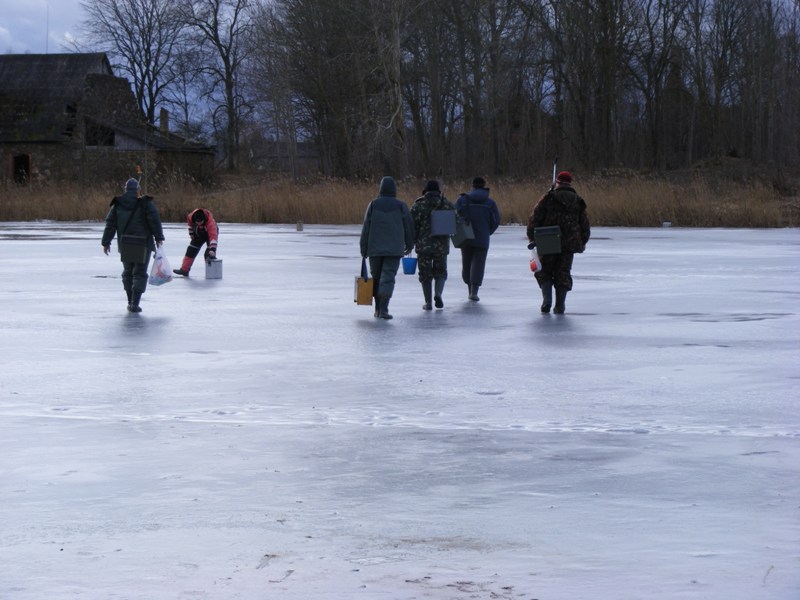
388, 229
480, 210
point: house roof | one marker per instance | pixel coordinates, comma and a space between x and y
41, 96
39, 93
40, 76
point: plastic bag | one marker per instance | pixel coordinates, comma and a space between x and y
161, 271
536, 262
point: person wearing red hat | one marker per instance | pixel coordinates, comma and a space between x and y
561, 206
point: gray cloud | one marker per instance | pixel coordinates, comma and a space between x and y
33, 26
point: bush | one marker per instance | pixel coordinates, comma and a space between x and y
630, 201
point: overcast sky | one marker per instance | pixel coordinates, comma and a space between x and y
38, 26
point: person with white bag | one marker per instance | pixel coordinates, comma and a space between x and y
137, 221
564, 208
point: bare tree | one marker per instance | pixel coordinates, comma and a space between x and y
496, 86
222, 28
269, 81
185, 94
654, 52
141, 38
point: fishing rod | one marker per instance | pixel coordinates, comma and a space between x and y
553, 184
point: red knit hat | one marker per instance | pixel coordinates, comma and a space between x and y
564, 177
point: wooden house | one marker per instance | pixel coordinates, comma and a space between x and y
68, 117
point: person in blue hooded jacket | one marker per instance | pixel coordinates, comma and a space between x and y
482, 212
386, 235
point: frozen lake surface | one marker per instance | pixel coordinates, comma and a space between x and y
262, 437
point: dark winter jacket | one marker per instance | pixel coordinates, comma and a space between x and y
565, 208
480, 210
388, 229
146, 221
425, 243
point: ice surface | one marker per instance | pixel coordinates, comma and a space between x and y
263, 437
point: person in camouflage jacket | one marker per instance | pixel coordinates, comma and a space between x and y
561, 206
432, 250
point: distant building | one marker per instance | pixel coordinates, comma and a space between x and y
68, 117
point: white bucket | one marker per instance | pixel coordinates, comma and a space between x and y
214, 268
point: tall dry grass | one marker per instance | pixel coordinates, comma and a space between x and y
623, 202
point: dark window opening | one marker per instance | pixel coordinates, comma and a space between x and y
71, 112
22, 168
98, 135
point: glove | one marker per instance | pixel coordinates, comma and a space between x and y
211, 254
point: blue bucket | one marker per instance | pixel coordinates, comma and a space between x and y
409, 265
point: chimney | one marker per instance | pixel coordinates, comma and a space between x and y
163, 121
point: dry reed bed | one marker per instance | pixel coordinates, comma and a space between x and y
631, 202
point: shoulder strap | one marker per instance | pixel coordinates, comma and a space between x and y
128, 222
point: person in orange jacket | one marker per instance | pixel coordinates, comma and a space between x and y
202, 230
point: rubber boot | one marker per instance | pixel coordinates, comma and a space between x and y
186, 266
128, 293
427, 291
384, 302
547, 297
437, 292
561, 297
134, 307
473, 293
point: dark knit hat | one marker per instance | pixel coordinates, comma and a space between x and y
479, 182
132, 185
564, 177
431, 186
199, 216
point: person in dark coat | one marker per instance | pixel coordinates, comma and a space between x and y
386, 235
432, 250
135, 215
482, 212
563, 207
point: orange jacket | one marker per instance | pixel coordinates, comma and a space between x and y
209, 227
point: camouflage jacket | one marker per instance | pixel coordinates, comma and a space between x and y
565, 208
425, 243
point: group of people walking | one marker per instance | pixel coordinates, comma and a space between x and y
390, 230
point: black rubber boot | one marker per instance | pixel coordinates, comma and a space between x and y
561, 297
547, 297
437, 292
134, 307
427, 291
384, 303
128, 293
473, 293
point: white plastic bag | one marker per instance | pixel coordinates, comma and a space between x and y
161, 271
536, 262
